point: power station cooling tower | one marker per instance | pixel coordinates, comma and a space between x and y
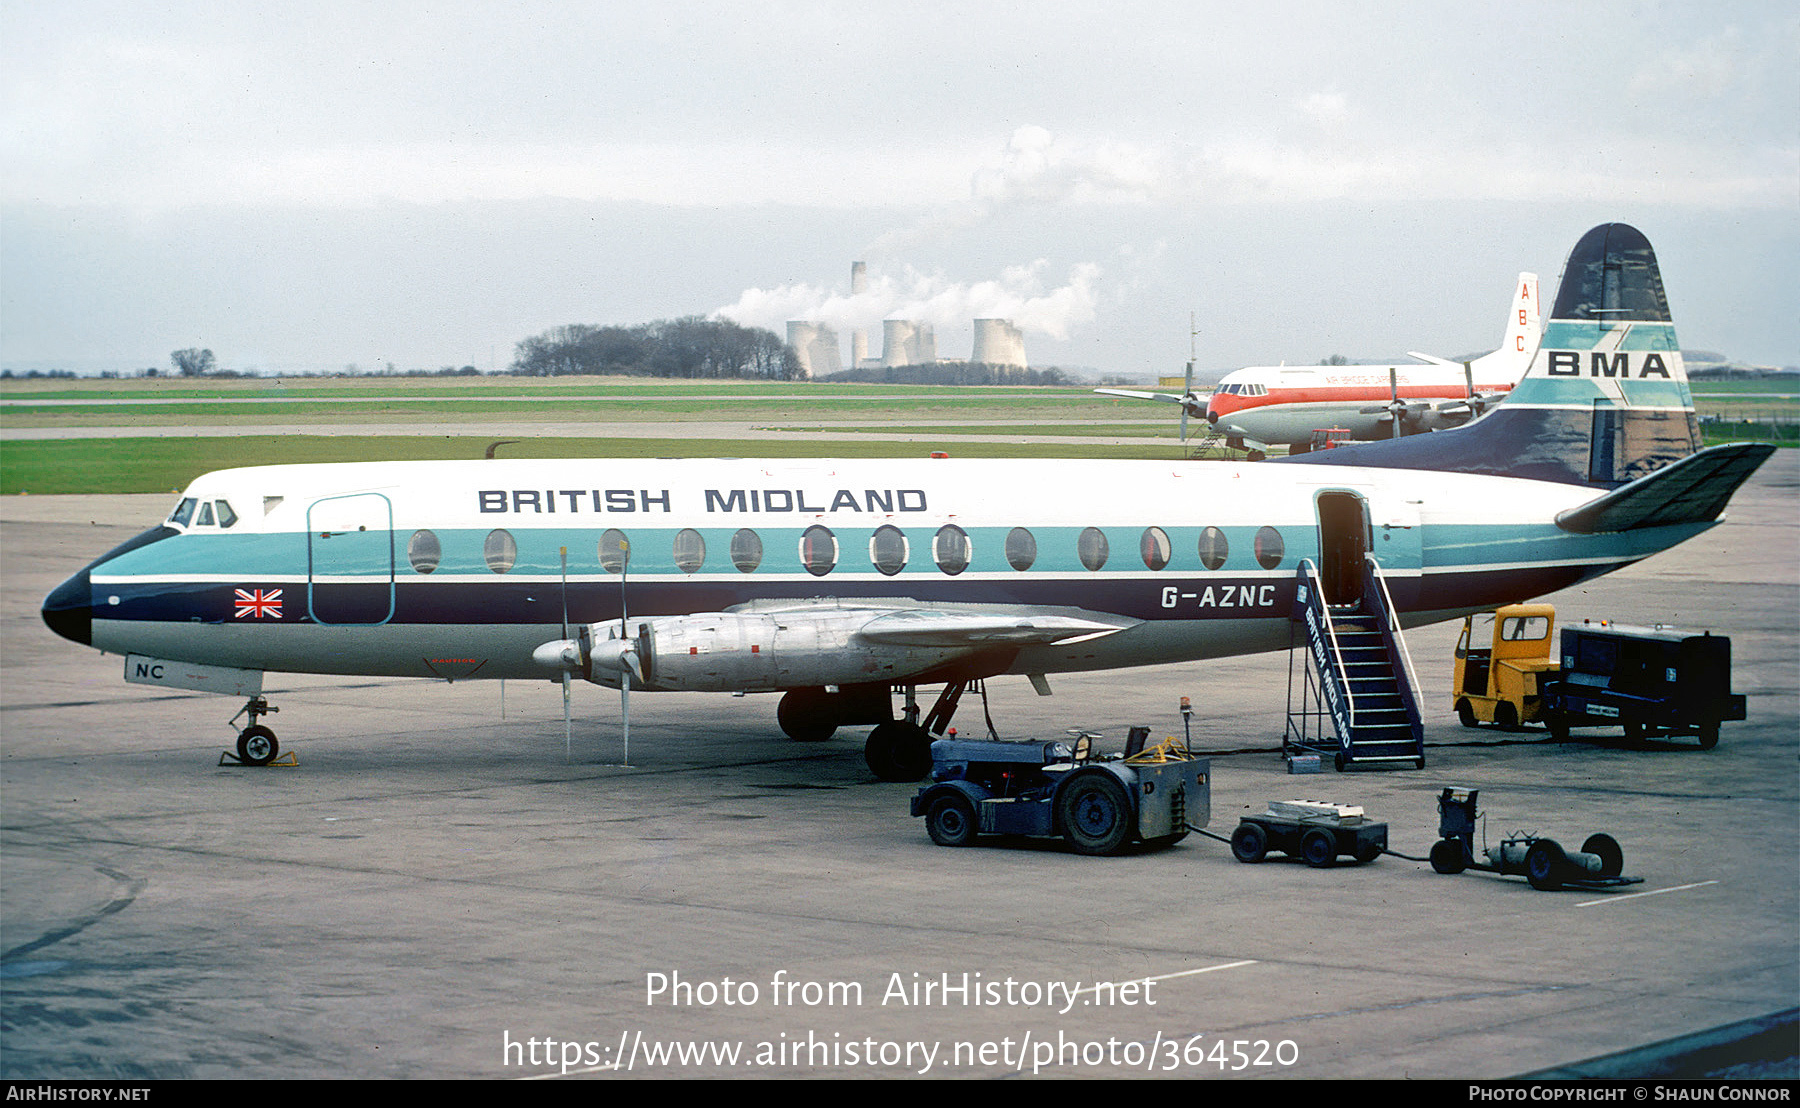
998, 342
907, 342
816, 345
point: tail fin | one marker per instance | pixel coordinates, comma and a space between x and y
1524, 330
1606, 398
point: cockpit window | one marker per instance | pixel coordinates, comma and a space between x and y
183, 512
227, 517
205, 518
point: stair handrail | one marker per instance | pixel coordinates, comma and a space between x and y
1390, 618
1317, 609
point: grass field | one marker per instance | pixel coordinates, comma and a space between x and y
122, 465
1016, 422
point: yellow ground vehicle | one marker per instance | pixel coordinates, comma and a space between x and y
1501, 680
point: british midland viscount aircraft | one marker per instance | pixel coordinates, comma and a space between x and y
838, 582
1262, 406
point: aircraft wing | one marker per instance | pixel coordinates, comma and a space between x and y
1165, 397
1693, 490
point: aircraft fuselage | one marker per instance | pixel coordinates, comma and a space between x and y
460, 569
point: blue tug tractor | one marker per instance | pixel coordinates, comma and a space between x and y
1047, 789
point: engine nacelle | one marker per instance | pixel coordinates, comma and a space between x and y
730, 652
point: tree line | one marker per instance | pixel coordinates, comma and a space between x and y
691, 346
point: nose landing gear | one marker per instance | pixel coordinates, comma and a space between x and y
256, 744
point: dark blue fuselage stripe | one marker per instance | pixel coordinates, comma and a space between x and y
542, 601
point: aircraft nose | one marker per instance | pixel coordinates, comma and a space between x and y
69, 609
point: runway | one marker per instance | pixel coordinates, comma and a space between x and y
436, 891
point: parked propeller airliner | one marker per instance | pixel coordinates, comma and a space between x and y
1263, 406
836, 582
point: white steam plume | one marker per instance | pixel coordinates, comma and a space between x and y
1018, 295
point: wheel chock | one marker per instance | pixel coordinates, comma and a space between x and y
287, 761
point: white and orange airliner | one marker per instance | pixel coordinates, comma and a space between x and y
1262, 406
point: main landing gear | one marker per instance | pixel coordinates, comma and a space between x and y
897, 749
256, 744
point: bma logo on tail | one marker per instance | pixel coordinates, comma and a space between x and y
1567, 363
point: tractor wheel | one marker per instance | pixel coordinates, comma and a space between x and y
951, 820
1095, 812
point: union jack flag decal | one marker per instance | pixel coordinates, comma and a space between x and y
259, 603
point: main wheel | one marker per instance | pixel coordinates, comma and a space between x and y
951, 820
898, 751
1249, 843
257, 746
1543, 865
1095, 812
806, 715
1319, 848
1447, 856
1612, 859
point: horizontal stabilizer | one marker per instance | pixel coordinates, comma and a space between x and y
1433, 359
1692, 490
922, 627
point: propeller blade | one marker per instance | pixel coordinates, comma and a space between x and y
625, 713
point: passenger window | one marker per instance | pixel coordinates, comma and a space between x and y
1021, 549
614, 550
183, 512
423, 551
1091, 547
746, 550
205, 518
1154, 546
500, 550
1213, 548
887, 550
227, 517
818, 550
950, 549
690, 550
1269, 548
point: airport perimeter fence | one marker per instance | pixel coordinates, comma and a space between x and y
1725, 425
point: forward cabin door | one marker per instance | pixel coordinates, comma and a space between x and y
350, 559
1343, 542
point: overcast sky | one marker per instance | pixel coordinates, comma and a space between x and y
309, 185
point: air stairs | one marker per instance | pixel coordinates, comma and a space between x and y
1355, 695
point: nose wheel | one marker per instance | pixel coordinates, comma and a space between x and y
256, 744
